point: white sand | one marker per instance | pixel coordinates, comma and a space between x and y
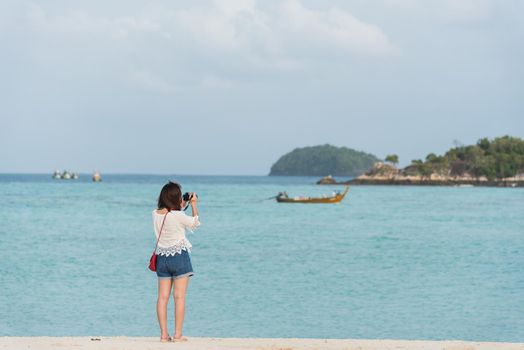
123, 343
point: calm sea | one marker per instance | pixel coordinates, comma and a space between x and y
388, 262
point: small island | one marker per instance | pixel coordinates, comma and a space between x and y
499, 162
322, 160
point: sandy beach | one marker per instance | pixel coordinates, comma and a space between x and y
131, 343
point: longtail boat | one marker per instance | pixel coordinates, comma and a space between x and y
282, 197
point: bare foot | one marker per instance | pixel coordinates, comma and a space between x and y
165, 338
179, 338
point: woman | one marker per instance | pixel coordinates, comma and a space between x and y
173, 263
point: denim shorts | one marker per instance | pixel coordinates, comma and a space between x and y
174, 266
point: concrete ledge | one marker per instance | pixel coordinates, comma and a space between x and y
131, 343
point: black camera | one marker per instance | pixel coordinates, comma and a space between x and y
187, 196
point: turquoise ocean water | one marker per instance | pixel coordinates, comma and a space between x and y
388, 262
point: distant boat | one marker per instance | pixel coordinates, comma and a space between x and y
66, 175
337, 197
97, 177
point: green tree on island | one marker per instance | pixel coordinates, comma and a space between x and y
323, 160
501, 158
392, 158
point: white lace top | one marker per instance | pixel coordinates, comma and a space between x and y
173, 239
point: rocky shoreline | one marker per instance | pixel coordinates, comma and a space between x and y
387, 174
430, 182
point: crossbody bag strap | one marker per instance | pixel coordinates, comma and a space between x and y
160, 233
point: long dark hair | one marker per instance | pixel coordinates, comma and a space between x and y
170, 197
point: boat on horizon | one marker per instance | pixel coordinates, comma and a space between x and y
97, 177
337, 197
66, 175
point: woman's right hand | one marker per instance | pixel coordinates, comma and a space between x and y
193, 202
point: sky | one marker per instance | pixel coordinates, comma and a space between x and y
229, 86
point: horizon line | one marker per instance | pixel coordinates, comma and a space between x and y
162, 174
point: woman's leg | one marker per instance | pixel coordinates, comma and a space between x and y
179, 295
164, 291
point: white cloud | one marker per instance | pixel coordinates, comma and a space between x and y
225, 40
278, 32
339, 29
